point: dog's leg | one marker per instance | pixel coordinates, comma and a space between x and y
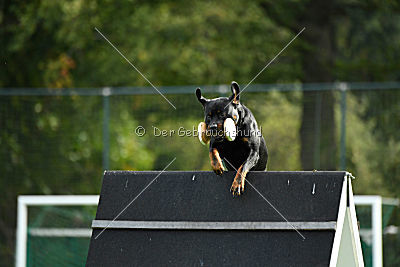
216, 162
239, 180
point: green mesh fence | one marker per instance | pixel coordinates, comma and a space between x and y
57, 251
55, 235
59, 236
391, 241
364, 216
59, 141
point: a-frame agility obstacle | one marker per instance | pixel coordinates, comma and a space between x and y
191, 219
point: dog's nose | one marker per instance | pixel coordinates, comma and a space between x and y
213, 126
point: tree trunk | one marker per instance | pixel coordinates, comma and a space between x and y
318, 129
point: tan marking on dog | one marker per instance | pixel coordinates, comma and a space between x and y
243, 179
235, 100
216, 162
238, 182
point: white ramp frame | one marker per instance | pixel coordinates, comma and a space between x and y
339, 224
354, 223
77, 200
346, 248
22, 216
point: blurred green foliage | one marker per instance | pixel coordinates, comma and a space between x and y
53, 144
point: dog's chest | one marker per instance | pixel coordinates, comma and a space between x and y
238, 149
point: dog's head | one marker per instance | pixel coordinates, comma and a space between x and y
217, 110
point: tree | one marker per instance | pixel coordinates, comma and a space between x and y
317, 61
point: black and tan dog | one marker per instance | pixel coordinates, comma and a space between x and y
240, 144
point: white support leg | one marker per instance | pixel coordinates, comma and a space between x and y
377, 249
22, 233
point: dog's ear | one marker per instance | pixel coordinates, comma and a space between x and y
201, 99
235, 93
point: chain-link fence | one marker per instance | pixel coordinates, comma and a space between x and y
72, 135
59, 141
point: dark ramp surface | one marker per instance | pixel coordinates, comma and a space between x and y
210, 248
203, 196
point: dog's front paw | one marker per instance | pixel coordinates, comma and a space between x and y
238, 182
237, 187
217, 168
